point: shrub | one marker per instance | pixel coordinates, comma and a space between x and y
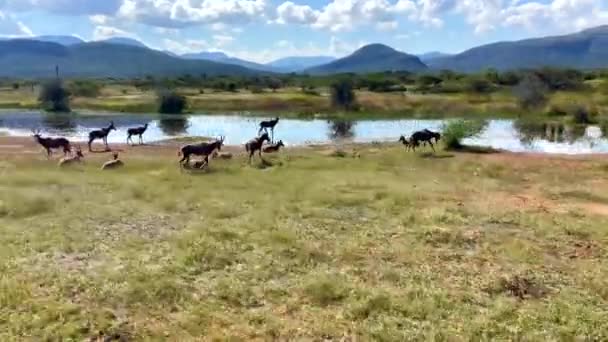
479, 85
343, 95
531, 92
15, 86
456, 130
84, 88
54, 97
171, 102
583, 114
579, 113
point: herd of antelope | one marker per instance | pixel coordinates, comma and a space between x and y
202, 149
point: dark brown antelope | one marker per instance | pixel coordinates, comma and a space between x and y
50, 144
255, 144
137, 131
265, 125
423, 136
113, 164
274, 147
69, 161
203, 149
434, 135
101, 134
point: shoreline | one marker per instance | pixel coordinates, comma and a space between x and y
12, 145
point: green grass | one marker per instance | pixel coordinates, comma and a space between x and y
389, 246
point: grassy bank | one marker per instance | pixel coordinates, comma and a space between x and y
291, 102
378, 244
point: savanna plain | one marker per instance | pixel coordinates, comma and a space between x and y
356, 243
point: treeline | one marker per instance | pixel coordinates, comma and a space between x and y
444, 81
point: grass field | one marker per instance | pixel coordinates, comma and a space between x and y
291, 102
369, 244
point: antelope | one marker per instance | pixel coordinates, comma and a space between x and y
202, 149
113, 164
52, 143
274, 147
407, 143
255, 144
101, 134
264, 125
424, 136
435, 135
68, 161
137, 131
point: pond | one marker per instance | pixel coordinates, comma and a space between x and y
509, 135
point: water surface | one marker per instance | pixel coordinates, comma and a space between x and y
502, 134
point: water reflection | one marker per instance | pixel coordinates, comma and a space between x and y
59, 122
341, 129
555, 132
174, 125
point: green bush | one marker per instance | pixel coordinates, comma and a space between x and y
479, 85
453, 132
54, 97
531, 92
171, 102
343, 95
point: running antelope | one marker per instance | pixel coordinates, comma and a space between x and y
255, 144
203, 149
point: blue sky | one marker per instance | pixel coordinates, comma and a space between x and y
263, 30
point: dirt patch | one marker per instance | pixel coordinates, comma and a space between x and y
596, 209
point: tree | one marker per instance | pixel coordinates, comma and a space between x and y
343, 95
171, 102
531, 92
478, 85
54, 97
274, 84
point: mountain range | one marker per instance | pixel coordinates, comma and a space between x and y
371, 58
587, 49
126, 57
32, 58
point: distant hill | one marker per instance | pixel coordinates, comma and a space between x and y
372, 58
124, 41
63, 40
584, 50
293, 64
429, 56
210, 56
30, 58
218, 56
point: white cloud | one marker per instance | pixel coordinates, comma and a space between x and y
342, 15
290, 13
387, 25
10, 27
105, 32
180, 13
222, 40
99, 19
188, 46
